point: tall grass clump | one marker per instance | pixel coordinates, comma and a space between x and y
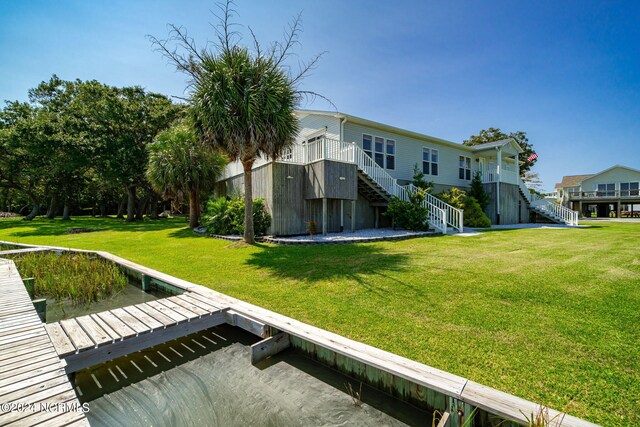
81, 278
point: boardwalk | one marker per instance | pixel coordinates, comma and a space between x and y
88, 340
34, 388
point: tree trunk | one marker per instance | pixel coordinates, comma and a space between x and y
194, 208
249, 235
103, 210
35, 210
153, 214
51, 212
131, 203
66, 211
142, 207
123, 202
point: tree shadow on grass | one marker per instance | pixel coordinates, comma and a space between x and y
310, 264
56, 227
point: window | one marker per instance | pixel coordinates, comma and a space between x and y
381, 150
434, 162
391, 154
464, 168
629, 189
367, 141
313, 139
606, 190
429, 161
379, 155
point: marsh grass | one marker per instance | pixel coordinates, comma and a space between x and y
81, 278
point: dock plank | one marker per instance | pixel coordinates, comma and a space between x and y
113, 334
95, 332
60, 340
78, 337
190, 315
159, 316
131, 321
152, 323
206, 306
188, 306
116, 324
177, 317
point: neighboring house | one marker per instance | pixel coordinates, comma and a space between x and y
613, 192
343, 170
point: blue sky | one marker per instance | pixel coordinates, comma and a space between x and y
565, 72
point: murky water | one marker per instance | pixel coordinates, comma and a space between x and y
206, 379
130, 294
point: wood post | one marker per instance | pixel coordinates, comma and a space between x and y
353, 216
146, 282
269, 347
30, 284
376, 222
324, 215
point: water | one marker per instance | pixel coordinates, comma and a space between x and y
206, 379
130, 294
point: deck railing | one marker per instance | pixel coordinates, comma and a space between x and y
613, 194
332, 149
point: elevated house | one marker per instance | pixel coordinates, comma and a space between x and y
612, 192
343, 170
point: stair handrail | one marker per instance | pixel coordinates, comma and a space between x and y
437, 216
333, 149
455, 216
547, 206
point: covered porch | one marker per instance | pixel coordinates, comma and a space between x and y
498, 162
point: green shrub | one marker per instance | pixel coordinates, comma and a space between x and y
454, 197
474, 215
477, 191
225, 216
411, 214
81, 278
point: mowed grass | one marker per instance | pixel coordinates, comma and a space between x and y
550, 315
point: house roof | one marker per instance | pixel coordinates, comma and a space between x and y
389, 128
576, 180
411, 134
572, 180
500, 143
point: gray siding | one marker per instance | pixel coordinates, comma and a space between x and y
287, 206
513, 207
323, 179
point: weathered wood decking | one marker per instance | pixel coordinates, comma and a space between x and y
34, 388
88, 340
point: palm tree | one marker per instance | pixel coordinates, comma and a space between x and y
243, 100
180, 165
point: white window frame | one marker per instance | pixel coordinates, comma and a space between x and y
372, 153
465, 168
387, 155
430, 163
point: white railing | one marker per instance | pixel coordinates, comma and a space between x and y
506, 175
455, 216
544, 205
323, 149
331, 149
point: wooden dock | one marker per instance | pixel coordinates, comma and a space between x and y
34, 387
385, 367
88, 340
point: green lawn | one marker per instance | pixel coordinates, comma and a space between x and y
551, 315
